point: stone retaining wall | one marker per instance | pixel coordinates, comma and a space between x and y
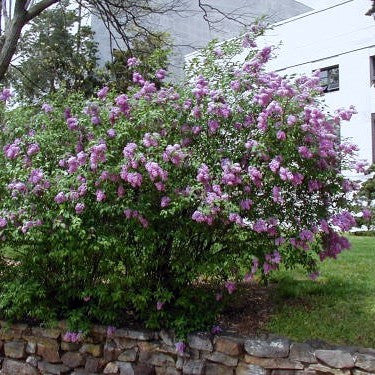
28, 350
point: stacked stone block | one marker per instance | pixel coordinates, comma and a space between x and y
26, 350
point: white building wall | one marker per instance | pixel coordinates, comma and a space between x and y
339, 34
336, 33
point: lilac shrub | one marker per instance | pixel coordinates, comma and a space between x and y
124, 207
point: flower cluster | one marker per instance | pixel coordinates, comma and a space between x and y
73, 337
155, 188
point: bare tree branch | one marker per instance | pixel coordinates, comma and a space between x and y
28, 4
125, 20
6, 15
38, 8
26, 76
1, 19
371, 11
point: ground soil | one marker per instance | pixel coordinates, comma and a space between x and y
249, 311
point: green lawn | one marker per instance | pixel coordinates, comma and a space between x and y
338, 308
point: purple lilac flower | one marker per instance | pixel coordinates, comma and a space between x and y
3, 222
248, 277
203, 174
260, 226
218, 52
72, 123
236, 218
246, 204
103, 92
133, 61
165, 201
79, 208
274, 165
100, 196
47, 108
285, 174
137, 78
143, 221
235, 85
174, 154
267, 268
306, 235
215, 330
36, 175
274, 258
314, 275
155, 171
281, 136
17, 187
72, 336
230, 286
344, 220
129, 150
98, 154
134, 179
250, 144
5, 95
361, 166
60, 198
111, 331
160, 74
150, 140
256, 176
231, 173
248, 42
291, 119
333, 244
111, 133
366, 214
72, 164
12, 151
120, 191
95, 120
32, 149
180, 347
213, 126
305, 152
276, 195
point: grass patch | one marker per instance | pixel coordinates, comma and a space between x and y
339, 307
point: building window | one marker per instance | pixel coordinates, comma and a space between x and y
373, 136
329, 78
372, 70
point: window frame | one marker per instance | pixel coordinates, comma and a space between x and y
373, 136
372, 70
328, 69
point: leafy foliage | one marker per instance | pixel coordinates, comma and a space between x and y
126, 206
56, 52
152, 54
365, 199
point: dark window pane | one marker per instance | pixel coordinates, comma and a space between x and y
323, 74
323, 78
333, 78
329, 78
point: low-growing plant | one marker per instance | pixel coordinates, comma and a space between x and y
365, 203
149, 206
